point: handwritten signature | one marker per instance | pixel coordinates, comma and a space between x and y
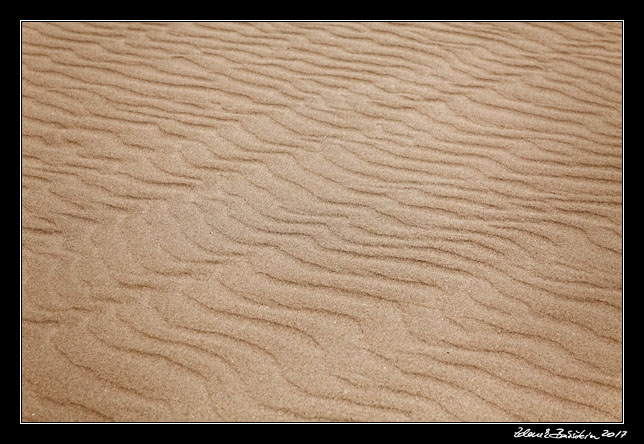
567, 434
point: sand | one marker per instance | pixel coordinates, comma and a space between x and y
322, 222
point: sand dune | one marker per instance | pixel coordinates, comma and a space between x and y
321, 221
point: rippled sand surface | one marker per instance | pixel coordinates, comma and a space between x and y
321, 221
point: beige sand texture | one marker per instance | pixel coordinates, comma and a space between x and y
321, 221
